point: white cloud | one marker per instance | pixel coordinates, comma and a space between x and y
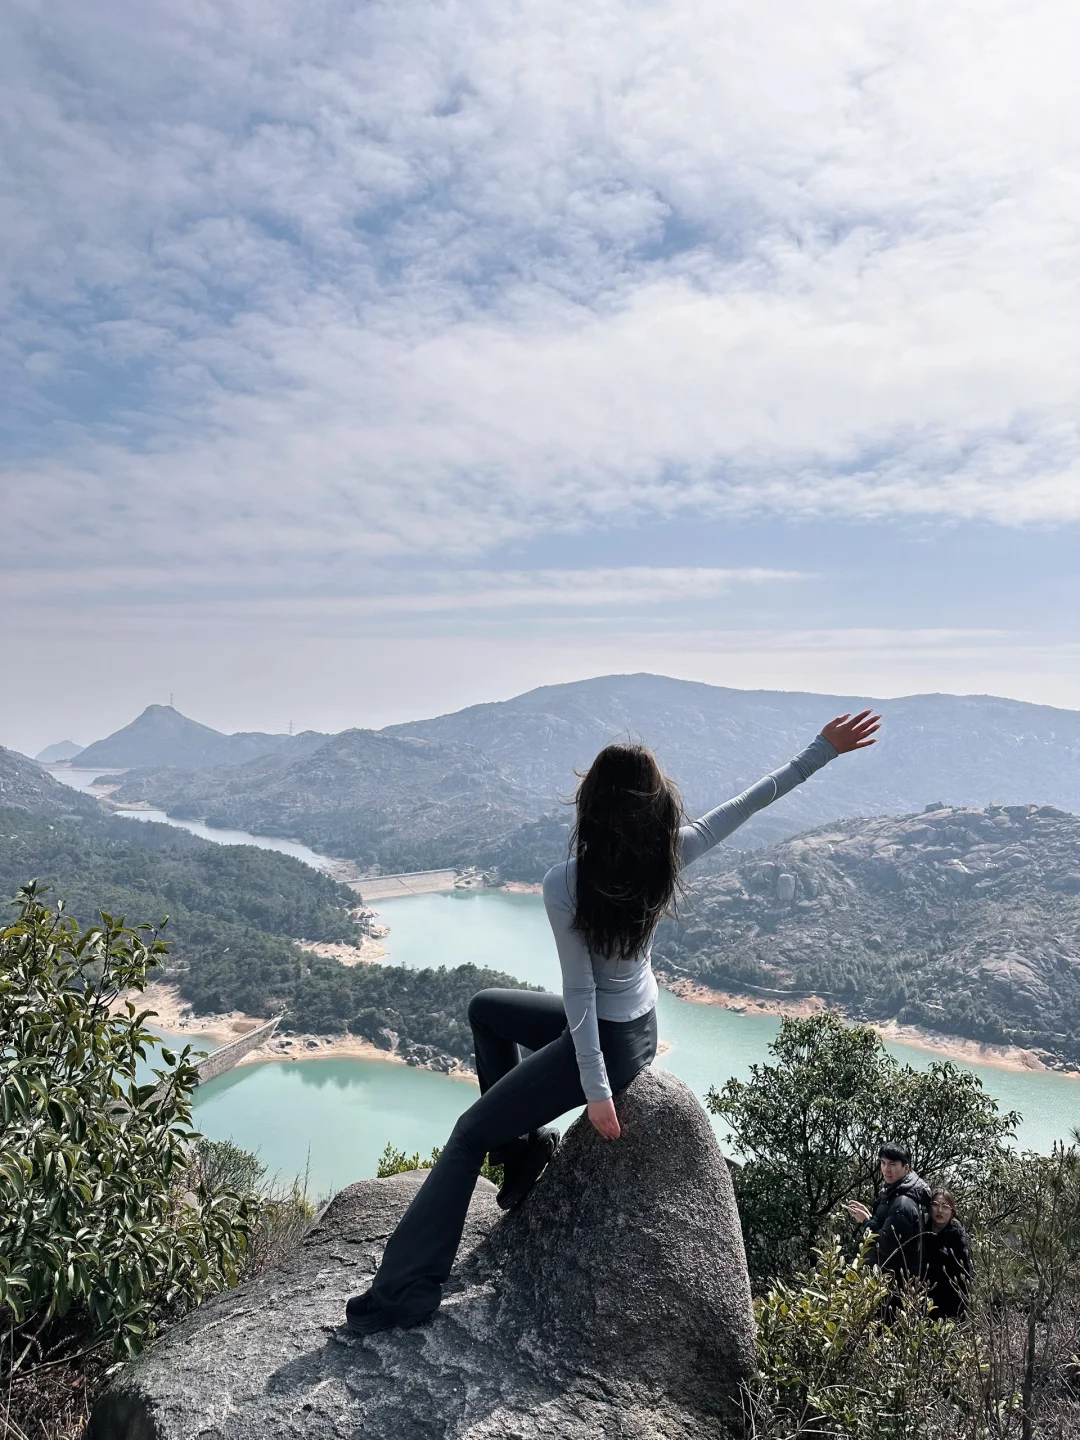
470, 597
406, 280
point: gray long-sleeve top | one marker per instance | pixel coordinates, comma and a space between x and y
597, 988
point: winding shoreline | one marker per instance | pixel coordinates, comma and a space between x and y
948, 1047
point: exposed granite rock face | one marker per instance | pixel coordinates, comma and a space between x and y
614, 1303
630, 1260
964, 919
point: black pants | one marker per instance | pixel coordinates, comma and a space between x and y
516, 1096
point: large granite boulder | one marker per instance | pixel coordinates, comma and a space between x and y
615, 1302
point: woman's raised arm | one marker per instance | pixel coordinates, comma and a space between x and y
840, 736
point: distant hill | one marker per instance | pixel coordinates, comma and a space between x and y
23, 783
239, 918
488, 792
161, 736
53, 754
398, 801
969, 749
963, 920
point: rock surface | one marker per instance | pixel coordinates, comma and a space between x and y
614, 1303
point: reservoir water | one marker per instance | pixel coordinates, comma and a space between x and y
334, 1116
331, 1118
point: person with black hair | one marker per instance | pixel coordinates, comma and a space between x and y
947, 1268
897, 1221
628, 846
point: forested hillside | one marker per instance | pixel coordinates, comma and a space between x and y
960, 919
234, 915
391, 801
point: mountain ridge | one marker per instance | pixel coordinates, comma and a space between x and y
401, 802
162, 736
522, 755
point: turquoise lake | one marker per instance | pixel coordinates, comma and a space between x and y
331, 1118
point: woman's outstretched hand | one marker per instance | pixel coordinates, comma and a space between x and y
603, 1118
851, 732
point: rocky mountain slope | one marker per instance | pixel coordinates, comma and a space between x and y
162, 736
25, 784
396, 801
963, 920
490, 795
965, 750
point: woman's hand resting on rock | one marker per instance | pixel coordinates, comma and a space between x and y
602, 1117
851, 732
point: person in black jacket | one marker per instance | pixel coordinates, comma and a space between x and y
946, 1263
898, 1219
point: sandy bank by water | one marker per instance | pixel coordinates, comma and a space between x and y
173, 1014
949, 1047
368, 949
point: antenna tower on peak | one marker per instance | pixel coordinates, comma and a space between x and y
170, 700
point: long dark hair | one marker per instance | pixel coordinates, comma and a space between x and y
626, 843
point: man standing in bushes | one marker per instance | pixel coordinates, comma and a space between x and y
898, 1218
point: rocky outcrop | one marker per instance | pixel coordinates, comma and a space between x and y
614, 1303
963, 919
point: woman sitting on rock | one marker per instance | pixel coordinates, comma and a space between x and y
629, 844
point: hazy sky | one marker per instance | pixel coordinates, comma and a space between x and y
361, 361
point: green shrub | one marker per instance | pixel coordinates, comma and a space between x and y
101, 1232
396, 1162
831, 1364
808, 1127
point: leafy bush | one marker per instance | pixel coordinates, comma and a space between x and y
809, 1127
837, 1359
101, 1231
285, 1213
396, 1162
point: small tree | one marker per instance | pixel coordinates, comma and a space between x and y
100, 1231
808, 1128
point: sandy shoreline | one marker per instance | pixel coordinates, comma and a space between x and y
948, 1047
174, 1015
369, 948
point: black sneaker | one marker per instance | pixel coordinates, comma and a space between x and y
522, 1173
365, 1316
